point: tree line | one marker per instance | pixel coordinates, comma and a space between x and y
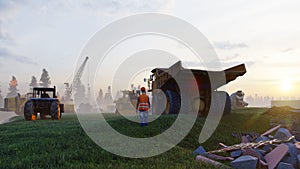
43, 82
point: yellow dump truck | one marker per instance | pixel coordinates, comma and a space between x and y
167, 97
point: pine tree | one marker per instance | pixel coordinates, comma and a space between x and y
1, 99
13, 91
45, 79
100, 97
33, 82
108, 100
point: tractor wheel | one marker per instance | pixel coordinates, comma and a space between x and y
28, 110
173, 102
55, 111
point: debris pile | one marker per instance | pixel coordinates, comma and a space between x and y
281, 151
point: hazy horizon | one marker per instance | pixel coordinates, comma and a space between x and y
51, 34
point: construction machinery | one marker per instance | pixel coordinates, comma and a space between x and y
166, 91
127, 103
237, 100
75, 82
16, 104
45, 102
69, 106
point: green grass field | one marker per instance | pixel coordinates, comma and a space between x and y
64, 144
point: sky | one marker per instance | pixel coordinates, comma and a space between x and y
265, 35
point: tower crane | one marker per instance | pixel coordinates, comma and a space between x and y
76, 80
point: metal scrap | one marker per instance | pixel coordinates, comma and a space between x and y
251, 145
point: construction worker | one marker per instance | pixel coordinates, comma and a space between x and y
143, 105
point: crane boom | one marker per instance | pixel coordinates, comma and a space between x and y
76, 80
79, 73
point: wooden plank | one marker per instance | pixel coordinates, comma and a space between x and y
217, 157
210, 161
271, 130
223, 145
275, 156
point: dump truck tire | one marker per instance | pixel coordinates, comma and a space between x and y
227, 108
158, 103
198, 105
219, 98
173, 102
28, 110
55, 111
185, 103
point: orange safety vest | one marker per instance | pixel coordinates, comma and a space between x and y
143, 102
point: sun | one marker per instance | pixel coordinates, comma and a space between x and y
286, 86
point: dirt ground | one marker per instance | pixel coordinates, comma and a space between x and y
5, 116
287, 117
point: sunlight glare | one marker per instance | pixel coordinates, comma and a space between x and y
286, 86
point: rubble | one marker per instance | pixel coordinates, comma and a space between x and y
210, 161
243, 162
280, 150
236, 153
275, 156
200, 150
283, 165
282, 134
291, 157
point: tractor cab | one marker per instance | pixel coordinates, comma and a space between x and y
44, 102
40, 92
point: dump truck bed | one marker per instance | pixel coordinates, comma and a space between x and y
202, 76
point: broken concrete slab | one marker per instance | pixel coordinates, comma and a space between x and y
276, 155
249, 138
236, 153
245, 139
298, 157
261, 151
283, 165
268, 148
210, 161
262, 138
282, 134
246, 161
291, 157
200, 150
255, 153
